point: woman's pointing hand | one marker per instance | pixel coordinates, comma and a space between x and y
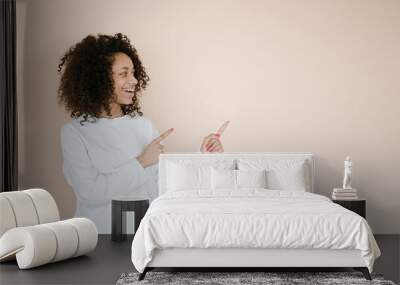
212, 142
150, 154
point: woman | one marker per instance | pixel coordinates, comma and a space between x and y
109, 148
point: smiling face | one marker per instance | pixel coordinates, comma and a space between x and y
124, 79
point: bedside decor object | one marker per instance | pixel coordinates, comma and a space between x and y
347, 173
358, 206
31, 231
347, 192
344, 194
119, 207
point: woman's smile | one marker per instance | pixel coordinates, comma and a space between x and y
128, 93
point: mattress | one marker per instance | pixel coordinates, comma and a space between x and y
251, 219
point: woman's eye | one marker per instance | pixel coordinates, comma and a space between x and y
125, 74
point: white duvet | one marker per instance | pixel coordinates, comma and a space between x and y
250, 218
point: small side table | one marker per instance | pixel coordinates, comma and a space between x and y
358, 206
119, 207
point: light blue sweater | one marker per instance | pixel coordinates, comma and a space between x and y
99, 163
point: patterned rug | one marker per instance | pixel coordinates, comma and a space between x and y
269, 278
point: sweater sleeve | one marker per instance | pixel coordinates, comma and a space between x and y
94, 187
152, 170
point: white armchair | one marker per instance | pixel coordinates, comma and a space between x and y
31, 230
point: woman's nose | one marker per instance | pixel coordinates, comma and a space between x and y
133, 79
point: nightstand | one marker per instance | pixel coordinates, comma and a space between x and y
358, 206
119, 207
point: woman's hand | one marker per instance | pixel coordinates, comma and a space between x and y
150, 154
212, 142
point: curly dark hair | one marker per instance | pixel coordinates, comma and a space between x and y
86, 86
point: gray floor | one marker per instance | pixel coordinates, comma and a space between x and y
110, 260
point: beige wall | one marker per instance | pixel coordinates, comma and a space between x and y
319, 76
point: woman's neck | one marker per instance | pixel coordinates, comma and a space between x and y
116, 111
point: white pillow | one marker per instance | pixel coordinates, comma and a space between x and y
287, 179
282, 174
223, 179
182, 174
236, 179
184, 177
251, 178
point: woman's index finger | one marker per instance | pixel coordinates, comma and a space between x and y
222, 128
164, 135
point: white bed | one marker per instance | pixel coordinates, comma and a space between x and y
204, 221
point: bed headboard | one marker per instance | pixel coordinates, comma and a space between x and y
202, 158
